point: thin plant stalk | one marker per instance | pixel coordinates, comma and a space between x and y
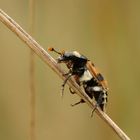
32, 94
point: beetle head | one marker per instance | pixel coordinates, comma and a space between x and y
69, 58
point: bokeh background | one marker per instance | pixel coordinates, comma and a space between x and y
107, 31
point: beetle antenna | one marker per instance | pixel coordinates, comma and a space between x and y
52, 49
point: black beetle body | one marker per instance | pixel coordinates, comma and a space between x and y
86, 75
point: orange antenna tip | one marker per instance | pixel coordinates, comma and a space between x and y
52, 49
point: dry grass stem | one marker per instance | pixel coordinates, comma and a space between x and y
32, 96
13, 26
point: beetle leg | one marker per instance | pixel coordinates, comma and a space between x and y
96, 105
81, 101
65, 81
71, 91
66, 74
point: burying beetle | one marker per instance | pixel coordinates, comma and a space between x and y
85, 74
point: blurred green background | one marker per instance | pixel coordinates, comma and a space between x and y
107, 32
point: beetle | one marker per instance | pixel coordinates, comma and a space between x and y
86, 75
